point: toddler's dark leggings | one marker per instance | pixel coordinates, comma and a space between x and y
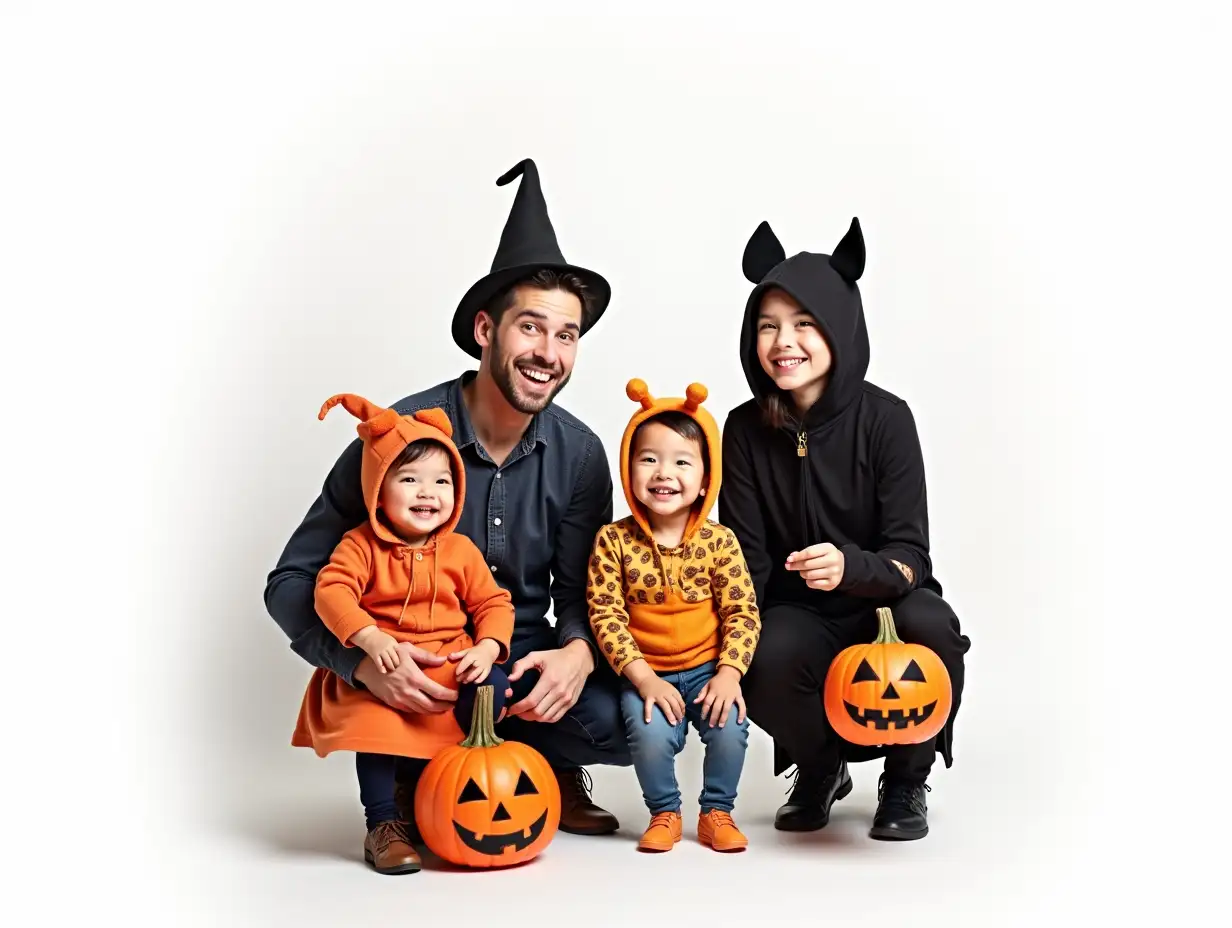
377, 772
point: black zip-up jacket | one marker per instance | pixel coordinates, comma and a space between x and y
850, 472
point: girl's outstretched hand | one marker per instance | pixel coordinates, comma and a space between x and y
821, 565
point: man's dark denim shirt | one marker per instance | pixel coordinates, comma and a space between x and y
534, 518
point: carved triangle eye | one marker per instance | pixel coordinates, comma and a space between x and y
865, 673
525, 787
913, 673
472, 793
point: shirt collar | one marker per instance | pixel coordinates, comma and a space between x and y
535, 432
465, 431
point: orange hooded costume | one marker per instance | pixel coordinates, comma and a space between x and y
677, 608
419, 595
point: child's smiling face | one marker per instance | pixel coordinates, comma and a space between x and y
417, 497
790, 346
667, 470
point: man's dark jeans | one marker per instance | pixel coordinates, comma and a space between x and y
592, 732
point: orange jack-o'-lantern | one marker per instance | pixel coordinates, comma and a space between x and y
487, 802
887, 692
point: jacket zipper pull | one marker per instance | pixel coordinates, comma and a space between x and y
802, 444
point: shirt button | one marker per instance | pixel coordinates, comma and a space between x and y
496, 521
493, 566
419, 555
498, 476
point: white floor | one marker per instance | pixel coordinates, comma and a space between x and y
297, 859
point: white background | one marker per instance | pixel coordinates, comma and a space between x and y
213, 219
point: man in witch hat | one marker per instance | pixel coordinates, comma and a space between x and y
538, 490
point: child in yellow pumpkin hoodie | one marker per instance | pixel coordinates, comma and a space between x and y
404, 576
672, 608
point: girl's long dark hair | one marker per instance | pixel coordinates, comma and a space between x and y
775, 408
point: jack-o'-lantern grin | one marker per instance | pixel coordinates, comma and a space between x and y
890, 718
496, 844
898, 717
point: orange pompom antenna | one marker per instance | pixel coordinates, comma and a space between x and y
695, 396
436, 418
637, 391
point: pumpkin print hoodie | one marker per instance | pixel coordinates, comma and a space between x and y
676, 608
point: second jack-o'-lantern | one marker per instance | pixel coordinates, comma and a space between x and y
487, 802
887, 692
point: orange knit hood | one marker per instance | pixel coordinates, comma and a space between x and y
691, 405
385, 434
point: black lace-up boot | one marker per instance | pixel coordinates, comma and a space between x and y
812, 794
902, 810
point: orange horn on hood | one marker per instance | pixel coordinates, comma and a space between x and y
377, 419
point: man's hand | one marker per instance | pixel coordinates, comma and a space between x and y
562, 674
821, 565
407, 688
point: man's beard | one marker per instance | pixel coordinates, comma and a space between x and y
504, 373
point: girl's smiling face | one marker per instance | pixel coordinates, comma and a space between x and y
791, 348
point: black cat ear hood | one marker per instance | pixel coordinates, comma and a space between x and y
825, 286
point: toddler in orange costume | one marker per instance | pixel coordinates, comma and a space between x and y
404, 575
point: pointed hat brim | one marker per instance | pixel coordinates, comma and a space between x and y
481, 293
528, 244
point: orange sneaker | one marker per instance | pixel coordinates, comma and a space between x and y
717, 830
662, 832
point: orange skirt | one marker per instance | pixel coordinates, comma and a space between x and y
336, 716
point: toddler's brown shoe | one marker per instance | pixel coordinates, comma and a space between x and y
388, 849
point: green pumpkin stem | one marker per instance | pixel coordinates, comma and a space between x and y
483, 734
888, 634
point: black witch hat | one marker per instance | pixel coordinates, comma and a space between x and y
528, 244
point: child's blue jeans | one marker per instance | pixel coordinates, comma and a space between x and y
655, 745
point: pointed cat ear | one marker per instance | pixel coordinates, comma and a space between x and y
763, 253
848, 257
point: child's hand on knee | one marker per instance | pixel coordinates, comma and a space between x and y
475, 663
381, 647
655, 691
658, 692
719, 694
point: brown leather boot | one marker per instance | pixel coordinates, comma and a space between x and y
388, 849
578, 815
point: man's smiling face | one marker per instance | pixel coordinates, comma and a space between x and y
530, 353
